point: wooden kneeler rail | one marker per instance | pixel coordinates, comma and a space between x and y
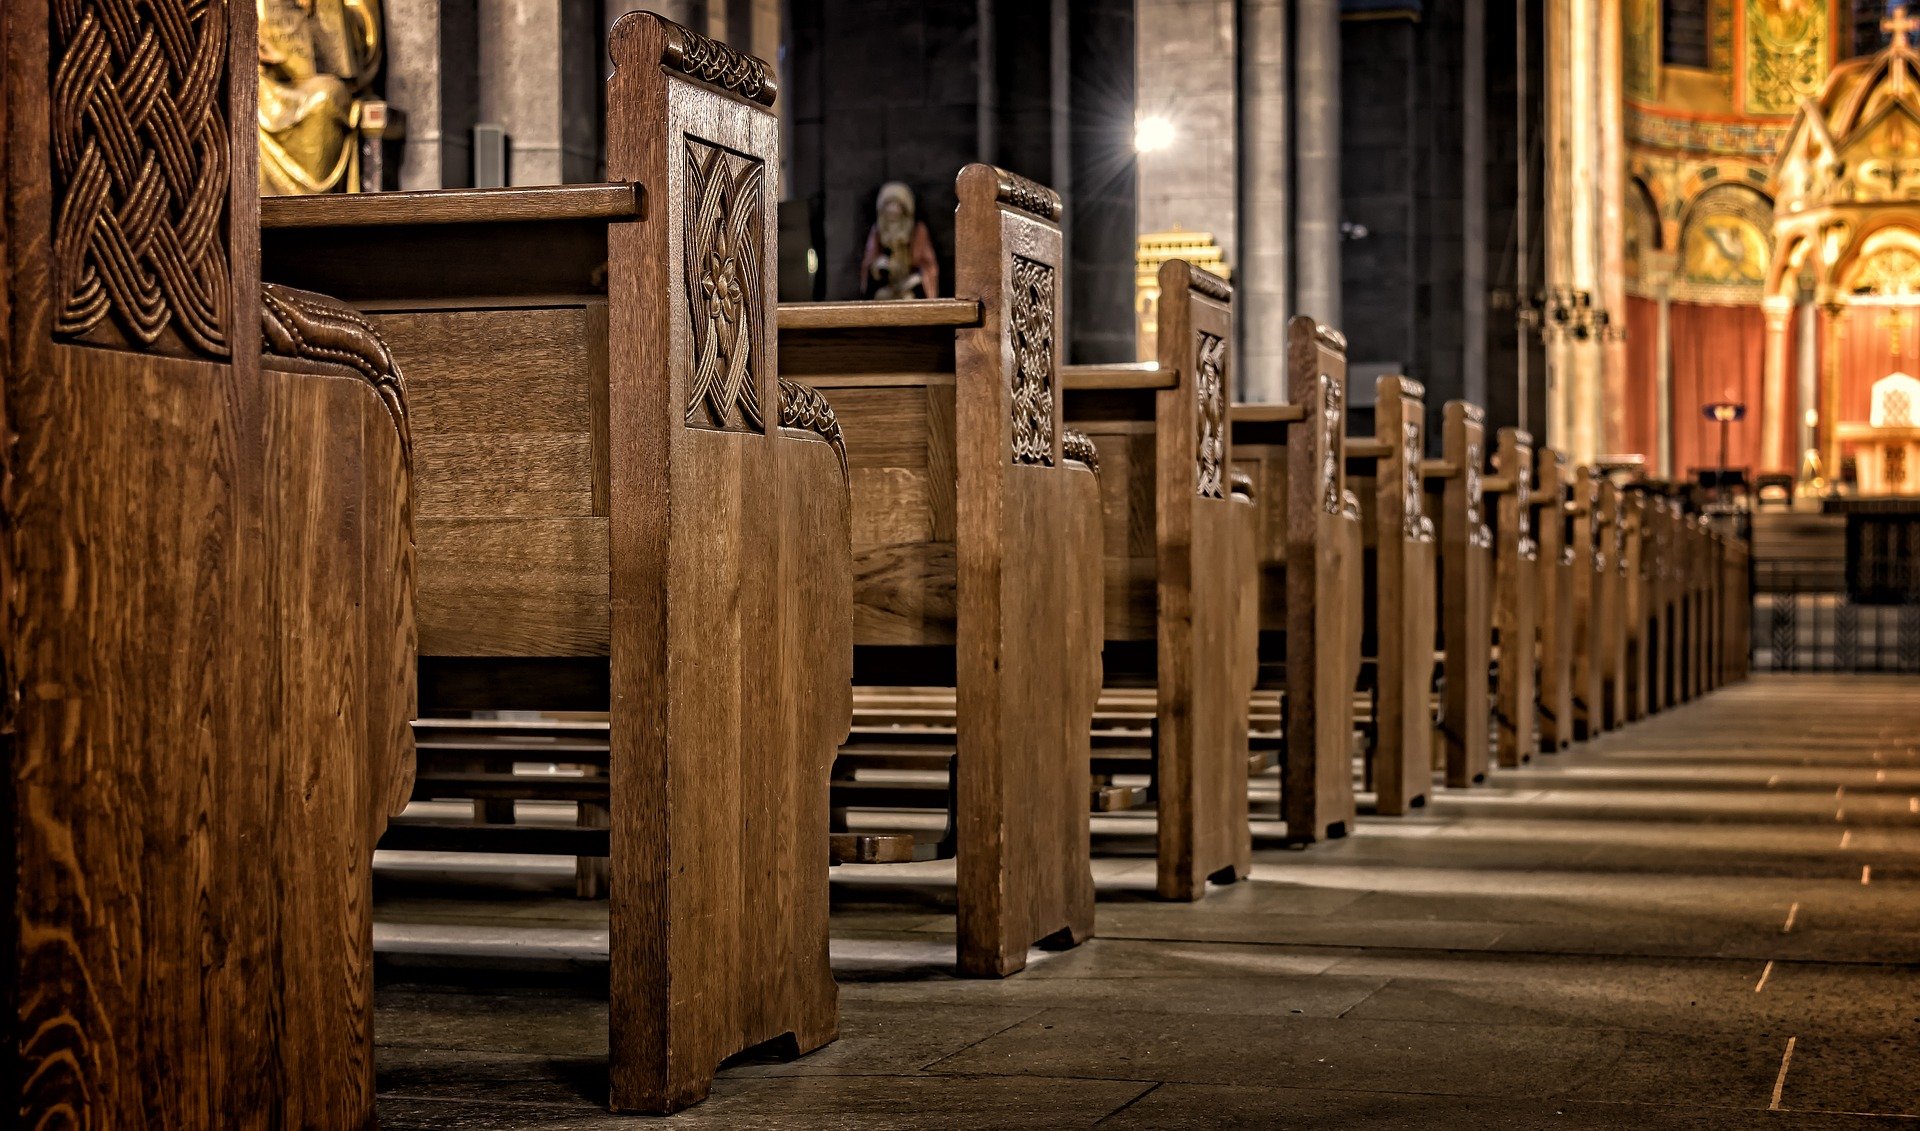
1310, 547
1401, 612
1179, 567
1466, 584
976, 533
1556, 514
624, 510
1516, 616
207, 567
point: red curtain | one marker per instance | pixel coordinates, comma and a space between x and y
1643, 376
1867, 353
1718, 355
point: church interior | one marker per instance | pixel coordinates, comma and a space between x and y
961, 564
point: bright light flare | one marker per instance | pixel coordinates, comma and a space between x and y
1152, 135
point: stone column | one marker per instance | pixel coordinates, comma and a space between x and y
1576, 379
1808, 343
1260, 292
1832, 348
1184, 72
1316, 157
540, 80
1773, 383
1610, 276
432, 75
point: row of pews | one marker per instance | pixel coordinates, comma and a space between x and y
774, 587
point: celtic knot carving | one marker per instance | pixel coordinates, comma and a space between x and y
725, 212
1027, 195
1209, 388
802, 407
1330, 429
141, 171
1033, 409
310, 327
1523, 498
714, 62
1241, 482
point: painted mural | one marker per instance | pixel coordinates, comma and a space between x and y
1725, 244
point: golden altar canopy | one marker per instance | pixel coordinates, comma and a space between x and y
1846, 228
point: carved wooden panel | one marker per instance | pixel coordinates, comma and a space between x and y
726, 201
1478, 534
1209, 388
1330, 427
1414, 524
1034, 414
141, 173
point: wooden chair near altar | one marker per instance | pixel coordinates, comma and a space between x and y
1179, 568
624, 512
1309, 547
1516, 583
1454, 484
1400, 594
977, 616
1556, 517
209, 580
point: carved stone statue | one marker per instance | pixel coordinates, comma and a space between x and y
317, 61
899, 260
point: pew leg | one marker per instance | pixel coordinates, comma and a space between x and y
592, 875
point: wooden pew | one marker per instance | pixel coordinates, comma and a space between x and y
1310, 587
976, 544
1179, 567
1626, 661
1593, 509
624, 510
1465, 587
206, 562
1736, 610
1516, 617
1557, 517
1385, 469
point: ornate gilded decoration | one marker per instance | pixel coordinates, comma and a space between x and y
141, 173
716, 64
1888, 273
803, 408
1209, 387
1078, 446
310, 327
1788, 48
1207, 275
1033, 357
725, 217
1331, 426
317, 63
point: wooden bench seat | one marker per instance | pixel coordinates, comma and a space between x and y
976, 549
623, 508
1309, 544
1455, 488
1179, 566
1516, 617
1401, 594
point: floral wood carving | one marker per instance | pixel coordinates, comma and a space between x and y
1415, 526
725, 217
141, 173
1033, 409
1210, 389
1330, 429
1078, 446
802, 407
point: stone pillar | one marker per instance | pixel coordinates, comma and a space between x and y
1316, 156
1576, 380
540, 80
1808, 343
1260, 297
432, 75
1832, 349
1610, 185
1773, 384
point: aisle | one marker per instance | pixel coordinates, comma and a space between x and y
1712, 914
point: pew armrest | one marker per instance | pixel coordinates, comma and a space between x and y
1269, 413
803, 409
1438, 469
1138, 375
1079, 447
955, 313
606, 201
1367, 447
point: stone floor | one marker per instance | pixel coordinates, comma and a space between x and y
1709, 920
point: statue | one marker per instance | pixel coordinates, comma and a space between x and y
317, 62
899, 260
